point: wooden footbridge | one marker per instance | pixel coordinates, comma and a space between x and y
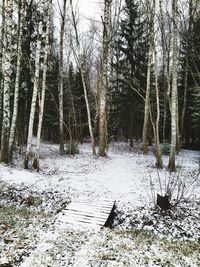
87, 213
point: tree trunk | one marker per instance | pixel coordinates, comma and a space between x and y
1, 60
35, 87
159, 162
80, 62
148, 84
174, 91
41, 108
7, 67
147, 103
103, 80
17, 79
166, 78
131, 128
61, 76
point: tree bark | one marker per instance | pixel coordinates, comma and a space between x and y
171, 164
35, 87
166, 76
41, 107
159, 162
103, 79
148, 83
1, 60
61, 76
17, 79
7, 66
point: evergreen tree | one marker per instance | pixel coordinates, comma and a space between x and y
130, 52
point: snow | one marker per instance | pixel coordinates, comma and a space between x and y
123, 176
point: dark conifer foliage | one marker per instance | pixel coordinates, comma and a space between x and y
191, 129
130, 67
125, 79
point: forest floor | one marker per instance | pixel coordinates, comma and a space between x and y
142, 235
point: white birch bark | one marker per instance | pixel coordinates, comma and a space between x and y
41, 107
148, 82
35, 87
61, 73
17, 79
103, 79
1, 59
81, 66
174, 90
7, 57
159, 162
166, 76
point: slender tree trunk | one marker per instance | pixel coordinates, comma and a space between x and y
7, 66
166, 78
80, 62
17, 79
147, 103
61, 76
155, 123
35, 87
131, 128
41, 107
148, 84
103, 80
1, 60
174, 91
159, 162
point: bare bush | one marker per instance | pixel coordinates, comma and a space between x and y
173, 189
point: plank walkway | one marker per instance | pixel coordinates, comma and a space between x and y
86, 212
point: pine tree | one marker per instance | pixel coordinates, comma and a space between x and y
128, 85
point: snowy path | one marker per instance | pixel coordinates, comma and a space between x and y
123, 176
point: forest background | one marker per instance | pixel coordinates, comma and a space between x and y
131, 74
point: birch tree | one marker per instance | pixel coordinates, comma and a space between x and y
159, 162
165, 43
82, 71
61, 74
103, 79
148, 108
44, 77
36, 85
7, 64
174, 103
1, 59
148, 83
17, 79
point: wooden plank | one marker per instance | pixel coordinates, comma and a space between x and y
79, 221
88, 212
98, 215
84, 218
94, 203
87, 215
88, 208
90, 205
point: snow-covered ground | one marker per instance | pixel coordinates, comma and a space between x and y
123, 176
